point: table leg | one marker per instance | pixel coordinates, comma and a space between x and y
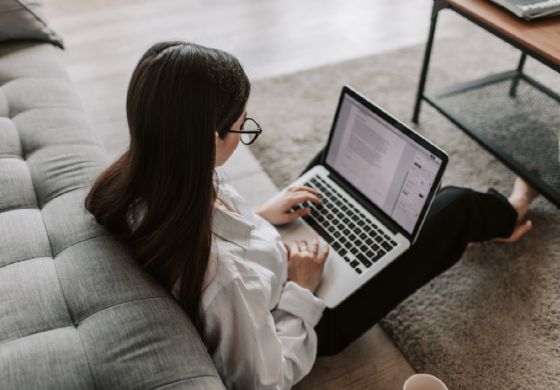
515, 80
438, 6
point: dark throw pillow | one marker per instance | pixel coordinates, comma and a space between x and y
25, 20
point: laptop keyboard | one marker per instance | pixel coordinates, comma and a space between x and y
350, 232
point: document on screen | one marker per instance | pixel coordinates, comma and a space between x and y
370, 156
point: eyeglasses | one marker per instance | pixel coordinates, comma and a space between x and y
250, 131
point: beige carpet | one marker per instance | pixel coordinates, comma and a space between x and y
492, 321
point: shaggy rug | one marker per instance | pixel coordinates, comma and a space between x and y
493, 320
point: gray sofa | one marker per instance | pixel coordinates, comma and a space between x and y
76, 312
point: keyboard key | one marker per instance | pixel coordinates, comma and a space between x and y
370, 254
354, 263
336, 234
342, 239
369, 241
379, 255
393, 243
363, 236
364, 248
358, 270
319, 229
347, 258
364, 261
346, 232
386, 246
336, 246
352, 237
342, 251
378, 239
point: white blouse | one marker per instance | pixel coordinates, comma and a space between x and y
259, 326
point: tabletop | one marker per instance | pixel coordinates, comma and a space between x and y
540, 36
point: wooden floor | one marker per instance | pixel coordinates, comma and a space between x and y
104, 39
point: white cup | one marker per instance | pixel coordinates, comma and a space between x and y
424, 382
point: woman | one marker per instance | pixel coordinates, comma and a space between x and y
250, 296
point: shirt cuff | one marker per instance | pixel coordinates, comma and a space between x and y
301, 303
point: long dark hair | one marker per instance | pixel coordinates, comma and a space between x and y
158, 196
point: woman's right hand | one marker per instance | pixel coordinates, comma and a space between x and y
306, 264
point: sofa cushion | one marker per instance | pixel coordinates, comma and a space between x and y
25, 20
76, 311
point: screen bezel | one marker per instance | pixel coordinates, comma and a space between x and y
407, 131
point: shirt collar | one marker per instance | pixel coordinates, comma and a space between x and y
231, 226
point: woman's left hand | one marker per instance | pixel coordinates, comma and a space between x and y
278, 210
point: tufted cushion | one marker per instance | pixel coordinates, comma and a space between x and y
76, 312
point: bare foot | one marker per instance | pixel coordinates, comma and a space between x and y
521, 197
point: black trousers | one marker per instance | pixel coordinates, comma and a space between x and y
457, 216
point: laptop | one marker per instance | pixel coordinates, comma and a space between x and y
377, 181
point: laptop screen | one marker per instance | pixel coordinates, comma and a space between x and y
388, 167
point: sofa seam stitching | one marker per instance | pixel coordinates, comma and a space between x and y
60, 283
24, 259
184, 380
81, 320
87, 358
71, 316
6, 341
63, 193
80, 241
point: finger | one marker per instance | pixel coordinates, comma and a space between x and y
289, 217
288, 249
315, 247
302, 245
324, 254
294, 248
300, 197
303, 188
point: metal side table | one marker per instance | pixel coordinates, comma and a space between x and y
513, 100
